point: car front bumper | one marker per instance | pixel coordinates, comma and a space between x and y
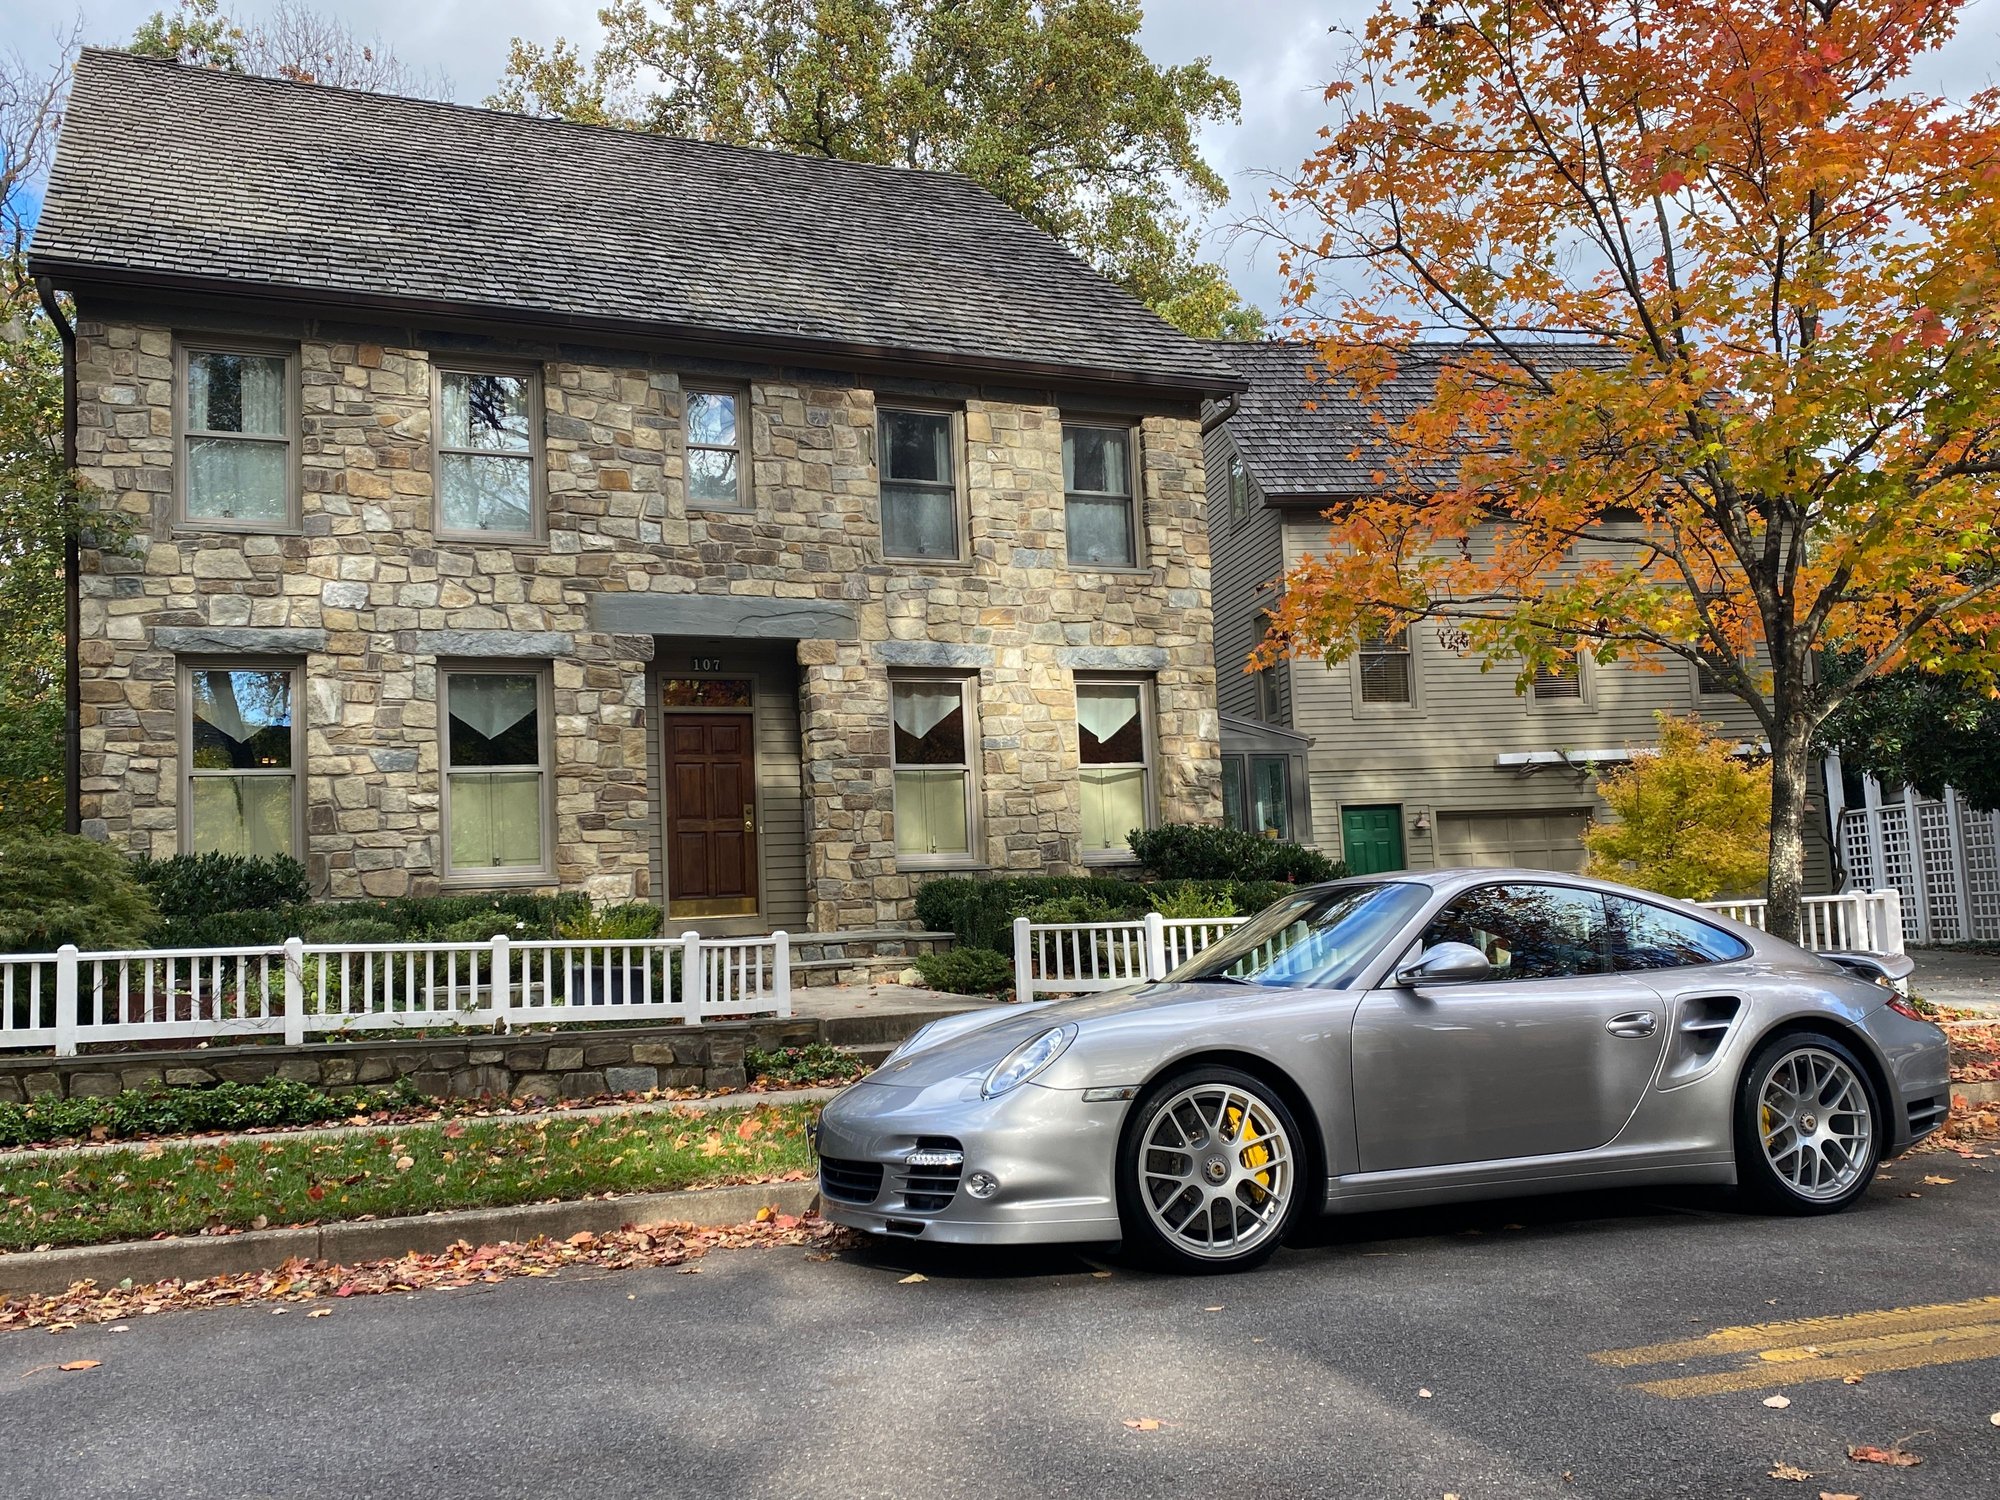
1050, 1153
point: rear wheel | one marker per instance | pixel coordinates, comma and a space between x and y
1808, 1131
1209, 1172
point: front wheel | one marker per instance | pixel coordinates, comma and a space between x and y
1209, 1172
1808, 1134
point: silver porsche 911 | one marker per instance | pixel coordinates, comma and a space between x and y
1392, 1041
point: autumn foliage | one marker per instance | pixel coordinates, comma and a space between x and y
1781, 434
1691, 820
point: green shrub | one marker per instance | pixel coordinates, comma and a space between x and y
1207, 851
981, 913
1188, 899
967, 971
1084, 907
225, 929
633, 919
224, 1106
58, 888
343, 928
206, 885
803, 1067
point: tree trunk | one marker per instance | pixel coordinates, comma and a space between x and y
1791, 784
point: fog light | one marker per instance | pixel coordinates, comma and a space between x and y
982, 1184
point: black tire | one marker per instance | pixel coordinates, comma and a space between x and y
1761, 1183
1145, 1240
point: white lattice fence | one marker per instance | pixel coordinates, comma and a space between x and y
1948, 875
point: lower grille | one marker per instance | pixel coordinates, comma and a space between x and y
929, 1188
850, 1181
1928, 1114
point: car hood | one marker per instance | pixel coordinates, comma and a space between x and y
968, 1045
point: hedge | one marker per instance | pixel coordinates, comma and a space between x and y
980, 912
225, 1106
1207, 851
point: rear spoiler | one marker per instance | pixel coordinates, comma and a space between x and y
1892, 969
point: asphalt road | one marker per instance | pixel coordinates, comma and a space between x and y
769, 1374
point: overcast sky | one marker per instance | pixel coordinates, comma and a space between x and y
1279, 52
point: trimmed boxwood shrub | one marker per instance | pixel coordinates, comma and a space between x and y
967, 971
980, 913
58, 888
207, 885
1207, 851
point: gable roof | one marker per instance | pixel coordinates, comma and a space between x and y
190, 177
1302, 435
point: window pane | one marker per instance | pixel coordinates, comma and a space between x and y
919, 522
232, 480
931, 812
711, 477
495, 719
930, 723
707, 692
1097, 458
1528, 931
1270, 785
1559, 680
711, 418
496, 820
1232, 792
485, 411
236, 393
1385, 678
241, 815
916, 445
1110, 729
1100, 531
242, 721
1114, 803
1650, 937
483, 493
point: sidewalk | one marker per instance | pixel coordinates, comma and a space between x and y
1958, 977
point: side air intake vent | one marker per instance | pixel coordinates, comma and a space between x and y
1700, 1028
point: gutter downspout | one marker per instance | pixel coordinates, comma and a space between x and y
1222, 413
72, 606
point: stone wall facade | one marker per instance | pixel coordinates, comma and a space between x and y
367, 600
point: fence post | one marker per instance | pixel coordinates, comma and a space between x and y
1024, 962
500, 987
691, 977
66, 1000
295, 992
781, 972
1156, 947
1889, 912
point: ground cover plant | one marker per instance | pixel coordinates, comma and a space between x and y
137, 1192
270, 1103
802, 1067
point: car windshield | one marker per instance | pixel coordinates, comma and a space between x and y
1319, 939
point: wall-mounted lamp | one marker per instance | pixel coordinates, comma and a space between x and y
1421, 823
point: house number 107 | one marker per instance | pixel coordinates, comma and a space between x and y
708, 664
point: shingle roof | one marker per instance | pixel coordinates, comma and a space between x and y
177, 174
1301, 433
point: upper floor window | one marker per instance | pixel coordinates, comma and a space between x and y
1385, 667
242, 794
489, 424
1270, 688
1239, 490
1560, 680
1097, 493
1113, 744
238, 468
920, 517
717, 478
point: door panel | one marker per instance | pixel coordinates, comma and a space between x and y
711, 815
1371, 839
1533, 841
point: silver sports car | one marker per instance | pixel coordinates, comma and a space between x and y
1391, 1041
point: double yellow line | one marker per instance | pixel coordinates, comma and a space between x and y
1802, 1350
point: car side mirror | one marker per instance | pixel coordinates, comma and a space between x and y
1447, 963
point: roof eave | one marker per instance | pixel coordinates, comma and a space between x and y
75, 275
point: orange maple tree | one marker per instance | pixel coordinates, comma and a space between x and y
1782, 437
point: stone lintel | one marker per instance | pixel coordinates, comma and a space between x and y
228, 640
704, 616
536, 643
931, 654
1112, 658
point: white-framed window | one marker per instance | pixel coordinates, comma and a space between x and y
1100, 513
1114, 734
716, 426
919, 477
489, 446
1561, 680
1385, 668
496, 772
238, 414
242, 749
934, 735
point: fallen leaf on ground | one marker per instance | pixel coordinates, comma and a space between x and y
1780, 1402
913, 1278
404, 1163
1895, 1458
1424, 1392
1100, 1275
320, 1312
81, 1364
1940, 1181
1995, 1419
1852, 1377
1790, 1471
1830, 1495
1216, 1308
1144, 1424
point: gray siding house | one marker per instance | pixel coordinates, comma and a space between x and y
509, 503
1419, 756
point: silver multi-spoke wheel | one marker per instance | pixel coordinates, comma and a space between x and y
1216, 1170
1816, 1124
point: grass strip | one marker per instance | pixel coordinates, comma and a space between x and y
141, 1192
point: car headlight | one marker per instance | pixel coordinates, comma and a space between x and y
1026, 1060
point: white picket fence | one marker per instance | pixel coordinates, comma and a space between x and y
1077, 958
299, 990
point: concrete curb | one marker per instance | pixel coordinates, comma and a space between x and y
1978, 1093
48, 1272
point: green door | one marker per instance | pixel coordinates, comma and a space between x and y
1371, 839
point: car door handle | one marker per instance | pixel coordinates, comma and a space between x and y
1633, 1023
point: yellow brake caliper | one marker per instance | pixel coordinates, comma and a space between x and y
1254, 1156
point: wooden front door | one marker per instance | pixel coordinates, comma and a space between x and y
711, 816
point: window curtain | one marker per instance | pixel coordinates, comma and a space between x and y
237, 393
921, 707
1104, 711
246, 815
491, 702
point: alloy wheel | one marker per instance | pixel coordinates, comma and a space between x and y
1816, 1124
1216, 1170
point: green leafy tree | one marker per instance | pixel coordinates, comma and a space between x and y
57, 888
1693, 820
1929, 730
1051, 105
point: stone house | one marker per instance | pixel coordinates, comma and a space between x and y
509, 503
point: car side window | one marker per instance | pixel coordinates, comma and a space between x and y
1645, 937
1528, 931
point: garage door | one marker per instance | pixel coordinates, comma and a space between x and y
1535, 841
